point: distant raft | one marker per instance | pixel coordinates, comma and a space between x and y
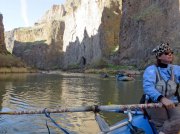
123, 77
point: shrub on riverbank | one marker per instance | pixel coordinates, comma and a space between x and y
10, 61
11, 64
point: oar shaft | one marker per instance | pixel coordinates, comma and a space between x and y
60, 110
87, 109
131, 106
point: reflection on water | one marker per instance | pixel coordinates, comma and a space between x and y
38, 91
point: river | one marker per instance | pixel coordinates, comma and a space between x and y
54, 90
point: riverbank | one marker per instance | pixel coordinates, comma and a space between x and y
103, 71
12, 64
112, 71
109, 71
17, 70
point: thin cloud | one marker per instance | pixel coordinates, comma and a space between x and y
24, 12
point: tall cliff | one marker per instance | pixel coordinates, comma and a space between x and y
7, 60
2, 39
80, 32
39, 46
145, 24
91, 31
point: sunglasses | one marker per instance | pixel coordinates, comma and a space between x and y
167, 53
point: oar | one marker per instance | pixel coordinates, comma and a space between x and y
87, 109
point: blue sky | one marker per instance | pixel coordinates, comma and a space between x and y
22, 13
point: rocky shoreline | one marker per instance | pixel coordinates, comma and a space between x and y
93, 71
87, 71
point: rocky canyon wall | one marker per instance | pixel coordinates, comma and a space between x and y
91, 31
39, 46
80, 32
2, 38
87, 32
145, 24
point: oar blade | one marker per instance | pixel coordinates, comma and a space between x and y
102, 123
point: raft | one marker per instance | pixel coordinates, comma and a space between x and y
134, 124
121, 77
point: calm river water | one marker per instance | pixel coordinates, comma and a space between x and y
38, 91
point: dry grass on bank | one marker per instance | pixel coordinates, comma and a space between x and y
16, 70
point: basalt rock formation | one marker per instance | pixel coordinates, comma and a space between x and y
145, 24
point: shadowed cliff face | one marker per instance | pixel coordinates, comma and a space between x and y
2, 39
40, 46
39, 54
45, 53
145, 24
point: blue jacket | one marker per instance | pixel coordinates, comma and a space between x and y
149, 79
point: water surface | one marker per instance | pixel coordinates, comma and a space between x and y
38, 91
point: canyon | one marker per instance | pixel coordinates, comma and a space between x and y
92, 33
